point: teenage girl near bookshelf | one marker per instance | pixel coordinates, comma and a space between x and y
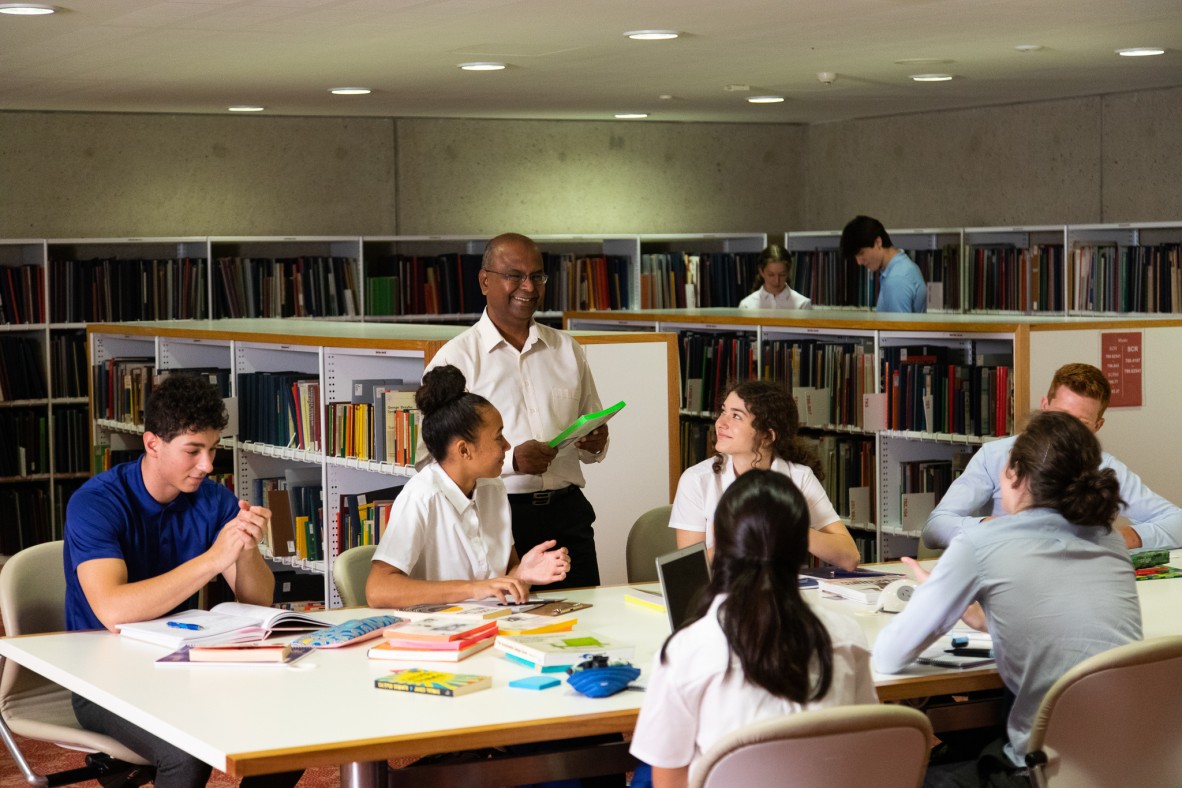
773, 291
756, 648
450, 535
1052, 575
758, 429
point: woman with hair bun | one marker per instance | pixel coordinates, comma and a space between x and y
449, 536
1053, 579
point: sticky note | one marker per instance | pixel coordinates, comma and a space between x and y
535, 682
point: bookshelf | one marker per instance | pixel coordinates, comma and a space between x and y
639, 473
1031, 346
831, 282
1124, 268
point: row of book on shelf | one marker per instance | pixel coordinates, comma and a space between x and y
1102, 277
25, 450
449, 284
22, 366
927, 388
287, 287
115, 290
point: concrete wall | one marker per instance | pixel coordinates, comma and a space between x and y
65, 175
483, 176
1100, 159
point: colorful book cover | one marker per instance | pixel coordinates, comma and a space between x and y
417, 652
441, 628
561, 649
433, 682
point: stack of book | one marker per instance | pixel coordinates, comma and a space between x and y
438, 639
554, 653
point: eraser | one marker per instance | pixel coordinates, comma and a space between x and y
535, 682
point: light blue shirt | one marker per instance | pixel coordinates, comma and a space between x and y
977, 493
1054, 594
901, 287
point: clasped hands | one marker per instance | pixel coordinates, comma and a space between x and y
241, 534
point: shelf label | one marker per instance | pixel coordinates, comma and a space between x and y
860, 506
1121, 360
916, 508
874, 412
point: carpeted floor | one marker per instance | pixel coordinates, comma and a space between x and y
45, 757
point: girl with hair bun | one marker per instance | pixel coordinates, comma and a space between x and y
449, 536
1053, 579
755, 648
773, 292
757, 429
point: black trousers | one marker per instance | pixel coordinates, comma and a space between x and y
565, 515
175, 768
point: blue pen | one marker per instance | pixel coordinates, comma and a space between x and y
184, 625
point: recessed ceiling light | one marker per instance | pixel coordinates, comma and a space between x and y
631, 115
246, 108
1028, 47
350, 91
931, 77
483, 66
666, 97
765, 99
26, 9
1140, 51
652, 35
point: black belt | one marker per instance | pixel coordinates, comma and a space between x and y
544, 497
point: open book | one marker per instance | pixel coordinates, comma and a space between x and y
584, 425
229, 622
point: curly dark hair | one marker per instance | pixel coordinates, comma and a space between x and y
774, 415
184, 403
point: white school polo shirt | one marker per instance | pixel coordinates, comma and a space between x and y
438, 533
691, 701
700, 488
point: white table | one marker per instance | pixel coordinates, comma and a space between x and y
324, 710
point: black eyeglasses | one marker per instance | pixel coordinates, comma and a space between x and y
518, 279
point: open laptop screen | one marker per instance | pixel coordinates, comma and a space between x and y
684, 575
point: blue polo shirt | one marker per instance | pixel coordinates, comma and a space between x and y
112, 515
901, 288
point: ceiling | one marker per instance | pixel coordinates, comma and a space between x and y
570, 60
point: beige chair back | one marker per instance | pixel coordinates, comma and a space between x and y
649, 537
884, 746
32, 601
350, 570
1113, 719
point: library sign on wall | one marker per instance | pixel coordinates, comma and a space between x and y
1121, 359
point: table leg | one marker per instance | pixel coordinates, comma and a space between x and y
365, 774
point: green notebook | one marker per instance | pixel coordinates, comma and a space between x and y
584, 425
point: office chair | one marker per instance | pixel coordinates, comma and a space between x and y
1113, 719
881, 745
350, 570
649, 537
33, 601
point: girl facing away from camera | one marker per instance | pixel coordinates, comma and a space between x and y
1050, 580
755, 649
450, 534
757, 428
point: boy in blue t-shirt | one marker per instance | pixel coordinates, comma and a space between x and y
144, 537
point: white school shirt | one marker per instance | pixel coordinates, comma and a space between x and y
785, 299
691, 702
700, 488
539, 392
438, 533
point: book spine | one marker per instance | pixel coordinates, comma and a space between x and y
420, 689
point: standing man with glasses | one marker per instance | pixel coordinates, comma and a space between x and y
538, 378
1082, 391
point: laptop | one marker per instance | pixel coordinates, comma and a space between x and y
684, 575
